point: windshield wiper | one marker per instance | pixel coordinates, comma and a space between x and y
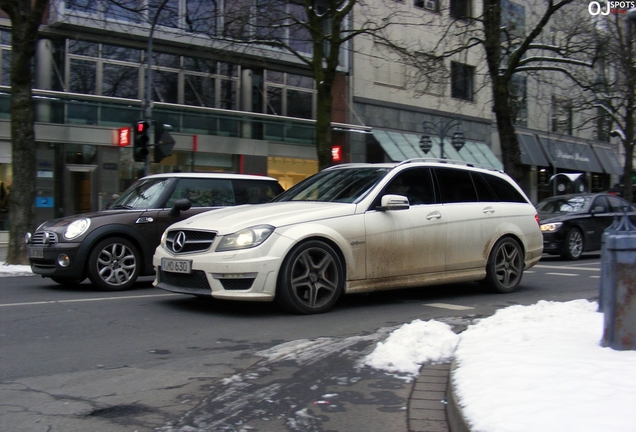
122, 206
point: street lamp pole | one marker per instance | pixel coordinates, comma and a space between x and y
442, 129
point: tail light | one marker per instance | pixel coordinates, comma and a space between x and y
538, 219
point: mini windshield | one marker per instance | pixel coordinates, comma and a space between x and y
345, 185
143, 194
565, 205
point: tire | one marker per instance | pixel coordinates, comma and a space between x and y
573, 245
67, 282
114, 264
311, 279
505, 266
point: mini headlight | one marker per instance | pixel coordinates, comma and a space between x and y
551, 227
246, 238
77, 228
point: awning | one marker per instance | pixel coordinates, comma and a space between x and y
609, 160
571, 155
400, 146
531, 153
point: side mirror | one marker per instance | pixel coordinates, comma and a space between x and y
394, 202
179, 206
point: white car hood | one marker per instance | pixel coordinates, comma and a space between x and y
278, 214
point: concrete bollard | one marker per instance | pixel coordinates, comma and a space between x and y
617, 297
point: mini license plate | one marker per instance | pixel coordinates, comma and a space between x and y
176, 266
35, 252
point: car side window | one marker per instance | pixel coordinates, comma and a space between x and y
617, 204
484, 192
455, 186
203, 192
415, 184
600, 205
504, 191
255, 191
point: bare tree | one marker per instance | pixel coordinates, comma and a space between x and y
614, 85
26, 17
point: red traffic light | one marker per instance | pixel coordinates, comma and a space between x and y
142, 126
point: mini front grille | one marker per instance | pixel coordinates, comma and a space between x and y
189, 241
44, 238
237, 284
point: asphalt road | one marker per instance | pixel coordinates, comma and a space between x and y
77, 359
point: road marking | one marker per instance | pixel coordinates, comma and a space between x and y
448, 306
567, 268
595, 277
562, 274
87, 300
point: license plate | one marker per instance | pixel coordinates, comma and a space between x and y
176, 266
36, 252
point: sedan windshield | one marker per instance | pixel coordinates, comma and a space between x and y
142, 195
565, 205
346, 185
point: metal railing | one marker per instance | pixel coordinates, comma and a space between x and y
82, 109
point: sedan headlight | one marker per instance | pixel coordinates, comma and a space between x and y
77, 228
551, 227
246, 238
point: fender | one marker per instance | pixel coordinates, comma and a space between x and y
111, 230
354, 255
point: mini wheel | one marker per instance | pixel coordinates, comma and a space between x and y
505, 266
311, 278
113, 264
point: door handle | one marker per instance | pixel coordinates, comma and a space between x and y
434, 215
488, 210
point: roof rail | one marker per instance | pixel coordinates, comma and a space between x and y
449, 161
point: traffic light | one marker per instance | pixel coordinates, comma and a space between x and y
164, 143
142, 139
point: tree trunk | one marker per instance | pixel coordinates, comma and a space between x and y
511, 155
26, 16
323, 125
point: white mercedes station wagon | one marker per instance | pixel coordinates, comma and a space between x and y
355, 228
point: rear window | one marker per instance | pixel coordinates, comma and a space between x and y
203, 192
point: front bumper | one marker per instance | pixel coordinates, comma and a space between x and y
552, 243
44, 260
249, 274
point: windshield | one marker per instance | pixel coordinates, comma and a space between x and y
143, 194
338, 185
564, 205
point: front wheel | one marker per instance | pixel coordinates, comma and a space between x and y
573, 246
311, 278
505, 266
113, 264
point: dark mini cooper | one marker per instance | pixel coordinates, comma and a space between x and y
573, 224
115, 246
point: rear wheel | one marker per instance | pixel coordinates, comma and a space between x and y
114, 264
311, 278
573, 246
505, 266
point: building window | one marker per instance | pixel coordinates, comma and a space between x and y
603, 125
289, 94
462, 81
562, 115
432, 5
460, 9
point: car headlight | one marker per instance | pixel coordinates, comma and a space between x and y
551, 227
246, 238
77, 228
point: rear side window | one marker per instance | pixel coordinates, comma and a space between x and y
455, 185
255, 191
617, 204
504, 191
484, 192
203, 192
